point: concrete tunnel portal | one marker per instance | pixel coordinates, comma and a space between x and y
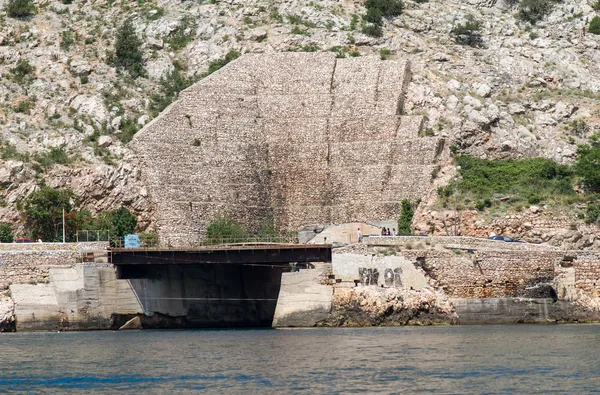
219, 286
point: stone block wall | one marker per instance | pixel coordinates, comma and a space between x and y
296, 138
30, 263
474, 268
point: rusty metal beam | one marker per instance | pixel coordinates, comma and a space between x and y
245, 254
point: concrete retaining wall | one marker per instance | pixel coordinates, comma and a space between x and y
303, 299
90, 296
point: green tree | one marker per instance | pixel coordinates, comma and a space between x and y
171, 84
595, 25
217, 64
123, 221
225, 229
43, 210
388, 8
533, 11
468, 33
405, 220
587, 164
128, 50
20, 8
374, 15
23, 71
6, 232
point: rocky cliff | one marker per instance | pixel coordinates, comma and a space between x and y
513, 95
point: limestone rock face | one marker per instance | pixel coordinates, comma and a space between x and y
300, 138
7, 313
366, 306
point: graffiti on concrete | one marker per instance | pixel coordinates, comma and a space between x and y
370, 276
393, 278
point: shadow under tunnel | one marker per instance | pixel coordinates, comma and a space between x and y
204, 295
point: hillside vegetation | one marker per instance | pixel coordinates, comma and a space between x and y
501, 79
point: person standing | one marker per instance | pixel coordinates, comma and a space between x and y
359, 234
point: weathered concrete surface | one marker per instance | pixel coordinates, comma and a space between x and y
90, 296
84, 296
297, 138
304, 298
384, 271
521, 310
415, 280
503, 310
337, 233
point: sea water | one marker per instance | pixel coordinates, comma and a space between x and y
515, 359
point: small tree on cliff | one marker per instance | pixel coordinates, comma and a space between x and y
128, 50
20, 8
405, 220
595, 24
586, 165
124, 222
6, 232
43, 211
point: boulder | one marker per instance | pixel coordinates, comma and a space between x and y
79, 67
105, 141
92, 106
516, 109
482, 90
134, 323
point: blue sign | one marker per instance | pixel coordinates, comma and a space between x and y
132, 241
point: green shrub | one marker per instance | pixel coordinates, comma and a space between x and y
592, 213
595, 25
129, 127
128, 50
225, 230
149, 239
56, 155
22, 71
173, 83
388, 8
483, 183
481, 205
385, 53
119, 222
43, 211
184, 33
533, 11
299, 31
20, 8
579, 127
217, 64
25, 106
66, 40
372, 30
405, 220
468, 33
374, 15
586, 164
596, 5
123, 222
10, 152
6, 232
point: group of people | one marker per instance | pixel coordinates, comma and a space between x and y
388, 232
384, 232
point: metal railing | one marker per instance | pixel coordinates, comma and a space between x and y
119, 242
286, 239
92, 235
